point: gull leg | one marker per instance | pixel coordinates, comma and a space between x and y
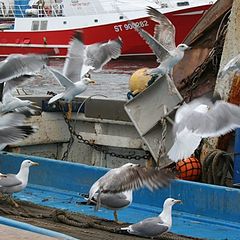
98, 204
69, 113
12, 202
115, 216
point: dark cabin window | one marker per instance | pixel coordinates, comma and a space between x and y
181, 4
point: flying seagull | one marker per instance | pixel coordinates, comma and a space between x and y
230, 68
129, 177
12, 103
80, 60
13, 129
18, 65
151, 227
112, 201
201, 118
13, 183
73, 77
162, 45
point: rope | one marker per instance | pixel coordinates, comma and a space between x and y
217, 166
72, 219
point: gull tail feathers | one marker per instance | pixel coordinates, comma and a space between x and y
184, 145
55, 98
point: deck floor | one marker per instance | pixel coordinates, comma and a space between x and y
185, 224
11, 233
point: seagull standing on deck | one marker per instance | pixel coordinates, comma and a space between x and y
162, 45
80, 60
13, 183
152, 227
201, 118
128, 177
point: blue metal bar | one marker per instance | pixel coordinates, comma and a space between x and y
31, 228
236, 175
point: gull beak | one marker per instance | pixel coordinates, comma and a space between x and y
2, 175
178, 201
35, 164
92, 81
189, 48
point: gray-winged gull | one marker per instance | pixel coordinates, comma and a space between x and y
201, 118
13, 129
151, 227
13, 183
73, 77
129, 177
13, 103
162, 44
80, 60
18, 65
112, 201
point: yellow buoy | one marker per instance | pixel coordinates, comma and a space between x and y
139, 81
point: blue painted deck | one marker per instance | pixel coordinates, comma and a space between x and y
208, 211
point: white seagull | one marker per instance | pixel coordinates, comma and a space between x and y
201, 118
162, 44
80, 60
19, 65
152, 227
13, 183
129, 177
12, 103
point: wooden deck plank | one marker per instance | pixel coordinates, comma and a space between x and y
11, 233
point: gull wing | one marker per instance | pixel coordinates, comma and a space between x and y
11, 119
99, 54
9, 181
149, 227
62, 79
17, 65
159, 50
222, 118
120, 180
73, 64
164, 30
15, 133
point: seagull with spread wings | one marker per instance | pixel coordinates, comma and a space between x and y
201, 118
14, 70
129, 177
80, 60
162, 44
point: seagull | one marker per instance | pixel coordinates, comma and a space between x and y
230, 68
162, 45
151, 227
80, 60
13, 183
201, 118
13, 129
112, 201
18, 65
128, 177
11, 103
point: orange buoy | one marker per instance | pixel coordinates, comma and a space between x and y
189, 169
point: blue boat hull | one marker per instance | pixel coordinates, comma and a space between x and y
208, 211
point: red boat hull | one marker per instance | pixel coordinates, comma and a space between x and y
54, 43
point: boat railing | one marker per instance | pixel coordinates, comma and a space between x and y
13, 11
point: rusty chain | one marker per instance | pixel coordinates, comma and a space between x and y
213, 58
95, 146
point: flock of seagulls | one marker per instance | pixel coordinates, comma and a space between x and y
201, 118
